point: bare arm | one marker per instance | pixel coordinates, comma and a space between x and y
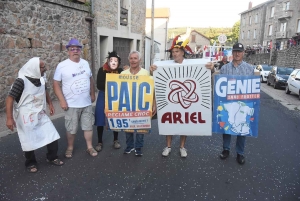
49, 101
10, 122
92, 89
58, 92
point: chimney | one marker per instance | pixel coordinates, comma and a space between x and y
250, 5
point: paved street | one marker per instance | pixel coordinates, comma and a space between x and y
271, 171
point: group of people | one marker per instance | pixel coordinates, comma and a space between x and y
73, 85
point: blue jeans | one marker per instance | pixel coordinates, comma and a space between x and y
139, 140
240, 143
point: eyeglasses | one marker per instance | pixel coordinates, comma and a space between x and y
74, 49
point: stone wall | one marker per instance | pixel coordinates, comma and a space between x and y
39, 28
289, 57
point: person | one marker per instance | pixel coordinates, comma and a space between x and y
222, 62
25, 109
135, 69
125, 67
178, 52
236, 67
76, 96
111, 66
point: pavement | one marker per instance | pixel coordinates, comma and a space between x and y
290, 101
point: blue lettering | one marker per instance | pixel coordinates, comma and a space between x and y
141, 97
112, 93
124, 97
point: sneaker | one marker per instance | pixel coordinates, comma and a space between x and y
98, 147
183, 152
117, 144
128, 150
166, 151
224, 154
240, 159
138, 152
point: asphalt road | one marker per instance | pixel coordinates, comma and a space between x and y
271, 171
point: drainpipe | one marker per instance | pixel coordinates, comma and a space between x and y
91, 20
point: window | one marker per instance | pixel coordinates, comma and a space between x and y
298, 27
193, 38
254, 34
286, 5
250, 20
272, 11
243, 35
138, 42
248, 34
282, 27
256, 18
243, 21
270, 29
298, 75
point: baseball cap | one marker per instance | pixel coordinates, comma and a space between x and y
73, 42
238, 47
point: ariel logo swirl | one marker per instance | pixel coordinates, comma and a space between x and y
183, 93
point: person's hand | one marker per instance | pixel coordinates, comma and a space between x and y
10, 124
209, 65
63, 105
125, 67
152, 68
51, 109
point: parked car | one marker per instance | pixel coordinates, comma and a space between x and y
264, 71
293, 83
278, 76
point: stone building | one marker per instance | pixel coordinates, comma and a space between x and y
275, 20
39, 28
42, 28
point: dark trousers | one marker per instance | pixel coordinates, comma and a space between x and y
100, 134
51, 155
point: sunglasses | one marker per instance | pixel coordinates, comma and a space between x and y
74, 49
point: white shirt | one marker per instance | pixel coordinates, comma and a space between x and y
75, 78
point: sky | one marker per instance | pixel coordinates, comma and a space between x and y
204, 13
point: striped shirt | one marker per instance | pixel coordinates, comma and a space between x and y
242, 69
18, 87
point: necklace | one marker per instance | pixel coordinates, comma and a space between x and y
133, 72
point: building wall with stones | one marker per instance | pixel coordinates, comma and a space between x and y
39, 28
289, 57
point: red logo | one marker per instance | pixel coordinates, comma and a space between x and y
183, 93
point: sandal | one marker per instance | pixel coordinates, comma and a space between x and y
56, 162
69, 153
92, 152
31, 168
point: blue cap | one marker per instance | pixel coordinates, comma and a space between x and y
73, 42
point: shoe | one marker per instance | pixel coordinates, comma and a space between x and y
166, 151
240, 159
138, 152
224, 154
56, 162
128, 150
117, 144
183, 152
98, 147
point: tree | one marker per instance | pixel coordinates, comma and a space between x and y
236, 31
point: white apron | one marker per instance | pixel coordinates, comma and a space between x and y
35, 129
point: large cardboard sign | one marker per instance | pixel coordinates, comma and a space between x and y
236, 105
183, 98
128, 102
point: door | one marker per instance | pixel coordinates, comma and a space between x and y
122, 47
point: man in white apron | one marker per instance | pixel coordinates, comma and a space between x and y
25, 109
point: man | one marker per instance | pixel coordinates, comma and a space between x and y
223, 62
236, 67
135, 69
25, 109
76, 96
177, 53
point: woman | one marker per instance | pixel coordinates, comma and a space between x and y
111, 66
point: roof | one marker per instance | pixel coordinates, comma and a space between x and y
200, 34
158, 13
256, 7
